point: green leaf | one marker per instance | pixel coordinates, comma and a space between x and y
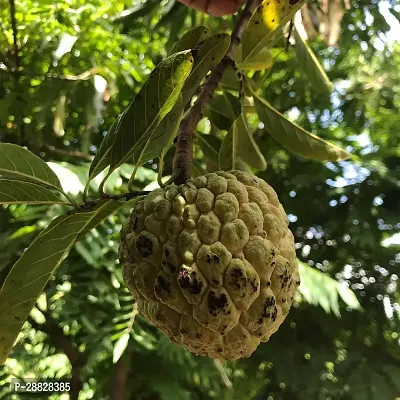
22, 192
247, 148
230, 80
88, 324
31, 272
349, 297
266, 24
197, 169
259, 62
209, 145
242, 166
87, 255
155, 100
227, 153
238, 144
223, 110
294, 138
136, 125
20, 164
208, 54
191, 39
102, 158
101, 213
119, 346
318, 288
313, 69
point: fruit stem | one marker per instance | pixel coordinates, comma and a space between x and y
182, 165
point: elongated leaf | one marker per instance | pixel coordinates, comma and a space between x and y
209, 145
318, 288
191, 39
19, 163
197, 169
262, 60
247, 148
155, 100
311, 66
242, 166
103, 212
229, 80
208, 54
266, 24
103, 156
349, 297
137, 123
228, 151
31, 272
22, 192
294, 138
120, 346
223, 110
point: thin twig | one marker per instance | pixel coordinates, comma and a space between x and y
127, 196
90, 203
134, 313
15, 34
69, 153
377, 83
224, 376
16, 70
184, 146
291, 26
80, 77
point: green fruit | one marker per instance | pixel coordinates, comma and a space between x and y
212, 263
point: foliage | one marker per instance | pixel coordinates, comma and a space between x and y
73, 77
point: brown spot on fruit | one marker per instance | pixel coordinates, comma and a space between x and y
171, 268
216, 304
135, 223
188, 281
144, 246
162, 286
254, 285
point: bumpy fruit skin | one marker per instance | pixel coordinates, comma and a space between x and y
212, 263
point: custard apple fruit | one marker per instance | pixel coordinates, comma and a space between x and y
212, 263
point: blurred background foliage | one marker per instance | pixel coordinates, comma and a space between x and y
78, 65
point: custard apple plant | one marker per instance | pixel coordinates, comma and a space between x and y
208, 256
